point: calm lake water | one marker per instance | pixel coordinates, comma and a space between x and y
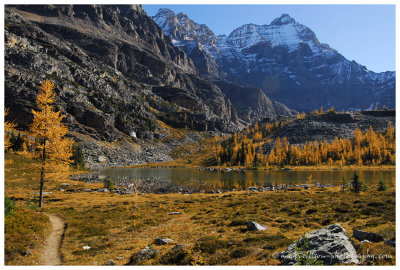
215, 179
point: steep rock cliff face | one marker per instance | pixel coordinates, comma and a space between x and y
251, 103
201, 45
106, 62
286, 60
116, 75
197, 40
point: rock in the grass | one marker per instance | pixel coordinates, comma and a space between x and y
330, 244
110, 262
391, 242
361, 235
254, 189
254, 226
86, 190
119, 258
174, 213
86, 247
28, 252
162, 190
178, 247
365, 242
163, 241
103, 190
44, 193
145, 254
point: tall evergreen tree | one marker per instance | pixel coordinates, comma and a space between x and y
356, 184
344, 184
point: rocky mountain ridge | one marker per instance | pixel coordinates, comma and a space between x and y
285, 59
329, 125
200, 44
106, 54
116, 77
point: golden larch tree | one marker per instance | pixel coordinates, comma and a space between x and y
50, 148
8, 128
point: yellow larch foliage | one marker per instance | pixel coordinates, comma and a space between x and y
364, 149
49, 147
8, 128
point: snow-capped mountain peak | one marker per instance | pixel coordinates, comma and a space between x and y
180, 27
286, 60
283, 31
283, 19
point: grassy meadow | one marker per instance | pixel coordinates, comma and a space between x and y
211, 226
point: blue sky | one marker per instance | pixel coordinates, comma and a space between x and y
364, 33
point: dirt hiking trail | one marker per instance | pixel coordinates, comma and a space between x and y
51, 253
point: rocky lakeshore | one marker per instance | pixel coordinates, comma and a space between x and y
160, 185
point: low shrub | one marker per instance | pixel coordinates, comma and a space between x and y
210, 244
237, 222
177, 256
382, 186
311, 211
109, 183
240, 252
8, 206
375, 204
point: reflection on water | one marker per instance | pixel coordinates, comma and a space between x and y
241, 180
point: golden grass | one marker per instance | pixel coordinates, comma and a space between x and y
25, 230
213, 226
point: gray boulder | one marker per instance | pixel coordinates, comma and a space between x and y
163, 241
174, 213
330, 244
102, 158
391, 242
110, 262
254, 226
145, 254
361, 235
179, 247
365, 242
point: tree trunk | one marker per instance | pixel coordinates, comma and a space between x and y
42, 175
41, 187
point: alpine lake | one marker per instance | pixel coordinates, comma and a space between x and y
206, 180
